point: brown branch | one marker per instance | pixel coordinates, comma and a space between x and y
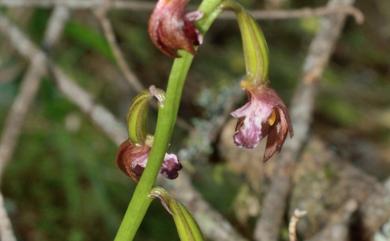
147, 6
292, 227
111, 127
6, 232
274, 205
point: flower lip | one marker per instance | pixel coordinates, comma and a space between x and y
132, 159
171, 29
263, 115
171, 166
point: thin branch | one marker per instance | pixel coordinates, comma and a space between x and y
147, 6
303, 13
28, 90
292, 227
6, 232
101, 14
274, 205
99, 115
111, 127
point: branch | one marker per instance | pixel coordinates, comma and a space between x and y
292, 227
110, 126
6, 232
274, 205
147, 6
101, 14
304, 13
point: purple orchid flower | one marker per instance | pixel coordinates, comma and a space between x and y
263, 115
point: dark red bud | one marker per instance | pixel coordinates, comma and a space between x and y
171, 29
132, 160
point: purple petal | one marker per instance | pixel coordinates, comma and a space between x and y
250, 128
171, 166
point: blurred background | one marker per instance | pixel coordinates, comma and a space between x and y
62, 182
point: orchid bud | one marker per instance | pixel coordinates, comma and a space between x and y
263, 115
132, 159
171, 29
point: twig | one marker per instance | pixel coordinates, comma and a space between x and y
28, 90
101, 14
107, 122
292, 227
147, 6
99, 115
274, 205
6, 232
304, 13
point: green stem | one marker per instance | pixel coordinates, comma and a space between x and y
167, 114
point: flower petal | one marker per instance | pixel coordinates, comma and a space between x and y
171, 166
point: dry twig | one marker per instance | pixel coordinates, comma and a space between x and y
292, 227
132, 79
6, 232
274, 205
147, 6
101, 14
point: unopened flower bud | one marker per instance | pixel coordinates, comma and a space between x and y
132, 159
171, 29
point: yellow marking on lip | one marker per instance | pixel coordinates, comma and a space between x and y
272, 118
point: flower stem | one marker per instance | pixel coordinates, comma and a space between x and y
167, 115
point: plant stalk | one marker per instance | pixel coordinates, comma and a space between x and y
167, 115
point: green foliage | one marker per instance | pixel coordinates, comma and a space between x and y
88, 38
